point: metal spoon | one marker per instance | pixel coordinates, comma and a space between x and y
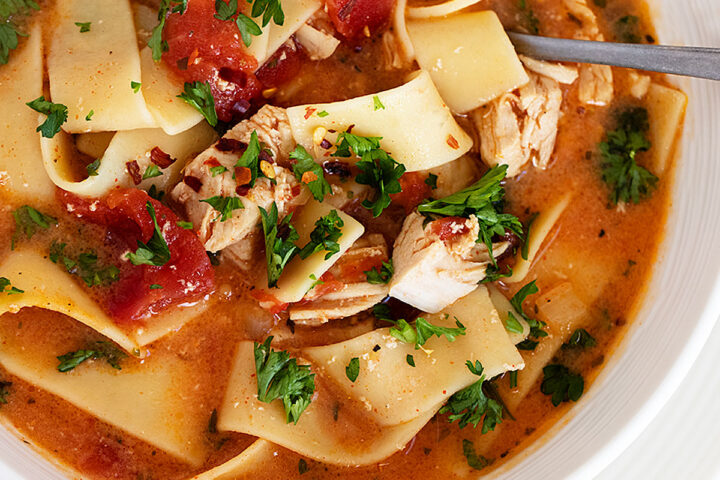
689, 61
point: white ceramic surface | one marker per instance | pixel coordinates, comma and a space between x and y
679, 314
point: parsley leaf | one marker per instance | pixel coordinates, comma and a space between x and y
135, 86
512, 324
580, 338
353, 369
471, 406
562, 384
380, 276
280, 377
626, 29
85, 266
532, 23
536, 326
628, 181
431, 181
56, 115
302, 466
5, 283
378, 169
382, 312
9, 31
377, 104
269, 9
248, 28
251, 158
478, 462
279, 242
92, 168
185, 225
423, 331
156, 42
84, 26
527, 344
217, 170
484, 200
89, 116
310, 173
199, 96
27, 221
327, 232
224, 205
97, 350
156, 252
152, 171
493, 274
410, 360
4, 391
225, 11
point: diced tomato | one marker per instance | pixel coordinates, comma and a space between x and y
350, 17
449, 227
268, 301
414, 191
187, 277
329, 285
282, 66
355, 271
204, 48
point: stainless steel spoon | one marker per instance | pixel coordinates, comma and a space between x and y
689, 61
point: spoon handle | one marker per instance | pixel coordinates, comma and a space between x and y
689, 61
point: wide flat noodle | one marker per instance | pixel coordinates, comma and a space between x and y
125, 146
147, 399
161, 88
393, 388
666, 109
415, 125
469, 57
253, 458
49, 286
297, 12
93, 70
318, 434
440, 10
21, 81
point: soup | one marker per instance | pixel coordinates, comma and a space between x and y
305, 239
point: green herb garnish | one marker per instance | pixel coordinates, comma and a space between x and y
352, 370
423, 330
327, 231
224, 205
97, 350
27, 222
280, 241
199, 96
56, 115
318, 186
382, 275
471, 406
156, 252
562, 384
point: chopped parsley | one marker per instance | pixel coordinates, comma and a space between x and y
380, 276
57, 114
562, 384
89, 116
156, 252
156, 286
185, 225
280, 377
96, 350
269, 9
353, 369
580, 339
135, 86
484, 199
536, 326
27, 222
217, 170
532, 23
493, 274
410, 360
152, 171
92, 168
626, 29
4, 391
156, 42
382, 312
280, 241
527, 344
327, 231
310, 173
302, 466
628, 182
512, 324
478, 462
524, 251
84, 266
323, 114
84, 26
251, 158
225, 11
423, 330
9, 31
431, 181
378, 169
377, 104
513, 376
6, 287
224, 205
471, 406
199, 96
248, 28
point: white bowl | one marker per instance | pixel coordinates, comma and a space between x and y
677, 317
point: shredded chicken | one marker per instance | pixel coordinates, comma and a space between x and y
353, 293
522, 126
236, 234
596, 81
564, 74
431, 272
639, 84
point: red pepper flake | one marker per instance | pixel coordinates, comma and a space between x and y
452, 142
296, 189
193, 57
242, 190
230, 145
212, 162
266, 155
325, 144
160, 158
193, 182
349, 129
309, 111
133, 170
243, 175
335, 167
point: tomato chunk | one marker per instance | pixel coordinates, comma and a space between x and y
186, 277
350, 17
414, 191
206, 49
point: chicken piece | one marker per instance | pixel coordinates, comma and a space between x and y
522, 126
440, 263
199, 183
564, 74
317, 44
345, 290
596, 81
639, 84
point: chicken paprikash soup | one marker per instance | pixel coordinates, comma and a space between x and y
316, 239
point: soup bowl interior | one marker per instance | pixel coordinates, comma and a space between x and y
673, 322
